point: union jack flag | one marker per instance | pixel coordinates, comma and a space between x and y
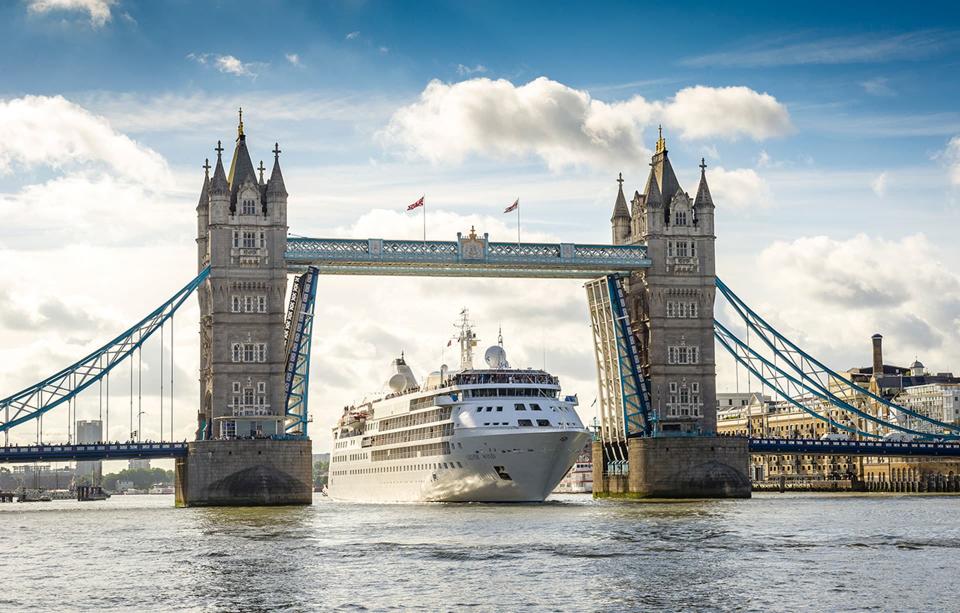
512, 207
416, 204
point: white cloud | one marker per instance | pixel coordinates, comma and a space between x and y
228, 64
879, 86
740, 188
867, 48
726, 112
763, 161
352, 35
879, 185
818, 291
99, 10
566, 126
463, 70
54, 132
952, 156
293, 58
384, 50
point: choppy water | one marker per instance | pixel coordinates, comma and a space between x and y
776, 551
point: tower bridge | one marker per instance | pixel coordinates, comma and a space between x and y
650, 293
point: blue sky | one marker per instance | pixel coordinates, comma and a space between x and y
831, 131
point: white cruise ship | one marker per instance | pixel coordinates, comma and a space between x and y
497, 434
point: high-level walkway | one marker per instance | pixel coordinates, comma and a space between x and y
468, 256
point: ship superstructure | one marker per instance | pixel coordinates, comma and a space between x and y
495, 434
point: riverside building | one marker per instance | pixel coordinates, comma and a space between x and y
934, 395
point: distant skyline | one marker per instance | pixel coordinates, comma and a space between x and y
831, 135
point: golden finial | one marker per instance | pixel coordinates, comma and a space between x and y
661, 144
240, 127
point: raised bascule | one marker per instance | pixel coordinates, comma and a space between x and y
651, 298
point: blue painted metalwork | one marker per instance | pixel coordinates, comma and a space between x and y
734, 346
93, 451
34, 401
813, 371
635, 394
468, 256
864, 448
299, 333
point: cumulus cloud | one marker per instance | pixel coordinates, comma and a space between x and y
566, 126
228, 64
293, 58
98, 10
879, 185
833, 294
54, 132
739, 188
727, 112
352, 35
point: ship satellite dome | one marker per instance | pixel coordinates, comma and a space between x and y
495, 357
397, 382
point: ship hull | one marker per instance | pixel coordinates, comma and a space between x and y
520, 465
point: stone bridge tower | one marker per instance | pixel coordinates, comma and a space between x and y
672, 302
242, 235
671, 307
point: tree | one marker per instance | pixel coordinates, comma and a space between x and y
142, 478
320, 471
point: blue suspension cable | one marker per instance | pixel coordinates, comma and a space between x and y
749, 315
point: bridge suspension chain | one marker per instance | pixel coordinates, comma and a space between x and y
814, 372
798, 391
33, 402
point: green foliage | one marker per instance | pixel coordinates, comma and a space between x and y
320, 470
142, 478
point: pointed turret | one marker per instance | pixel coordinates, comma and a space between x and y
620, 221
654, 199
703, 190
219, 184
620, 207
204, 201
203, 217
275, 186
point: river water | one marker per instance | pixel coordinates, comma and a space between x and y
775, 552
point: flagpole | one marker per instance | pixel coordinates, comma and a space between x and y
424, 218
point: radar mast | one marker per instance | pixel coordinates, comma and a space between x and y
467, 340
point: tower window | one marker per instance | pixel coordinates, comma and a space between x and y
249, 207
249, 240
683, 354
680, 218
